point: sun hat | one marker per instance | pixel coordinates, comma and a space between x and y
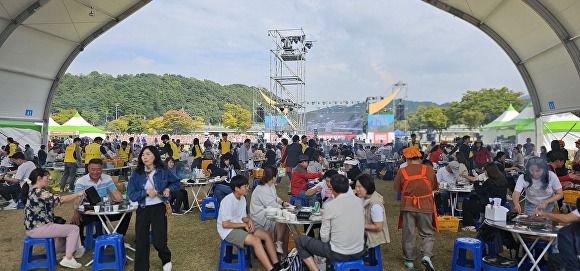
411, 152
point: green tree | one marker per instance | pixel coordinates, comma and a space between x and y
64, 115
472, 119
90, 116
492, 101
428, 117
155, 126
118, 126
135, 123
236, 117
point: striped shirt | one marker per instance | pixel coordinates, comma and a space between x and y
103, 186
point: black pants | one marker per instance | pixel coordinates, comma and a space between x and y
88, 219
10, 192
151, 217
470, 210
180, 198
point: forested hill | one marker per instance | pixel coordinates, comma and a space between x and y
149, 95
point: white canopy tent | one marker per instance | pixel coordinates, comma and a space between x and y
492, 130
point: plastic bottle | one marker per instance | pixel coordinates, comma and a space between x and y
107, 204
564, 209
508, 206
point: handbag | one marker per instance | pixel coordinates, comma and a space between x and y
58, 220
168, 209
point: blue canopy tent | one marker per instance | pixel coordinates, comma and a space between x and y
399, 133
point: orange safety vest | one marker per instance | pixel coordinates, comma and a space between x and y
417, 199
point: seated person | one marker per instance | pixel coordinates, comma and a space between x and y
222, 189
299, 180
106, 188
17, 185
234, 226
264, 195
352, 170
494, 187
448, 176
557, 160
342, 231
325, 189
376, 227
180, 197
569, 244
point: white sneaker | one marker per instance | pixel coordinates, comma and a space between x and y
72, 263
469, 228
167, 266
278, 246
80, 252
12, 206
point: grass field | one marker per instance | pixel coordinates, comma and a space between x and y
195, 244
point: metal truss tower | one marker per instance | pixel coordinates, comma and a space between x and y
288, 48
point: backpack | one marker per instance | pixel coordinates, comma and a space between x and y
293, 261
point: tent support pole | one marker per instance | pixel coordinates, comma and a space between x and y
540, 132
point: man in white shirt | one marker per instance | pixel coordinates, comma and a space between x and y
16, 183
234, 225
325, 189
342, 230
447, 176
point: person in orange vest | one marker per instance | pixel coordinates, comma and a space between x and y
416, 182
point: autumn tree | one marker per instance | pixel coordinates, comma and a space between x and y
236, 117
118, 126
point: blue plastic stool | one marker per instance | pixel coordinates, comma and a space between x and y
90, 236
357, 264
459, 262
102, 260
227, 257
206, 212
374, 260
294, 199
30, 261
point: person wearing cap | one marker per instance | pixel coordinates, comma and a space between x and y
72, 159
449, 175
416, 182
352, 169
94, 151
299, 180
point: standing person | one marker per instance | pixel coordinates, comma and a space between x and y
299, 181
151, 185
10, 147
270, 156
224, 146
290, 156
28, 153
414, 142
42, 155
264, 195
416, 182
304, 143
529, 148
207, 143
375, 217
171, 150
245, 153
544, 153
481, 155
342, 230
464, 148
541, 185
39, 217
94, 151
234, 225
72, 159
196, 152
17, 183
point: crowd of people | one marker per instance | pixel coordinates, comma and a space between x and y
354, 213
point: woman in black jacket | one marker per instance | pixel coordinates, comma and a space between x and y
494, 187
569, 245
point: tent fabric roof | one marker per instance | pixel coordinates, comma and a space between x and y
39, 39
524, 118
76, 120
556, 123
52, 123
506, 116
77, 123
21, 125
541, 37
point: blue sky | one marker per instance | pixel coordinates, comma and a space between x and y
362, 47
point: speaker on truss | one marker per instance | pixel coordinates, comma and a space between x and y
400, 112
259, 114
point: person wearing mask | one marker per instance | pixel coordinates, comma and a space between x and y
494, 187
417, 182
376, 227
541, 185
16, 185
39, 217
72, 160
179, 198
151, 185
196, 152
264, 195
299, 181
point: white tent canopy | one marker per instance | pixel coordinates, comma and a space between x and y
564, 127
77, 120
52, 123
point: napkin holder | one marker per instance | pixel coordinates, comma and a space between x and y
496, 213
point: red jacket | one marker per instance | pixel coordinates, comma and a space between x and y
482, 156
300, 178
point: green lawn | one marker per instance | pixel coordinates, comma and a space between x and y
195, 244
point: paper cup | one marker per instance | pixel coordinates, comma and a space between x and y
287, 216
284, 212
115, 208
97, 208
279, 212
292, 217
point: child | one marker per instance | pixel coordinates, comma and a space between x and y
234, 225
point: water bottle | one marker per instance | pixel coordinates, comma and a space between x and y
564, 209
107, 204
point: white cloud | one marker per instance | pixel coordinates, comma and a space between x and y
361, 49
